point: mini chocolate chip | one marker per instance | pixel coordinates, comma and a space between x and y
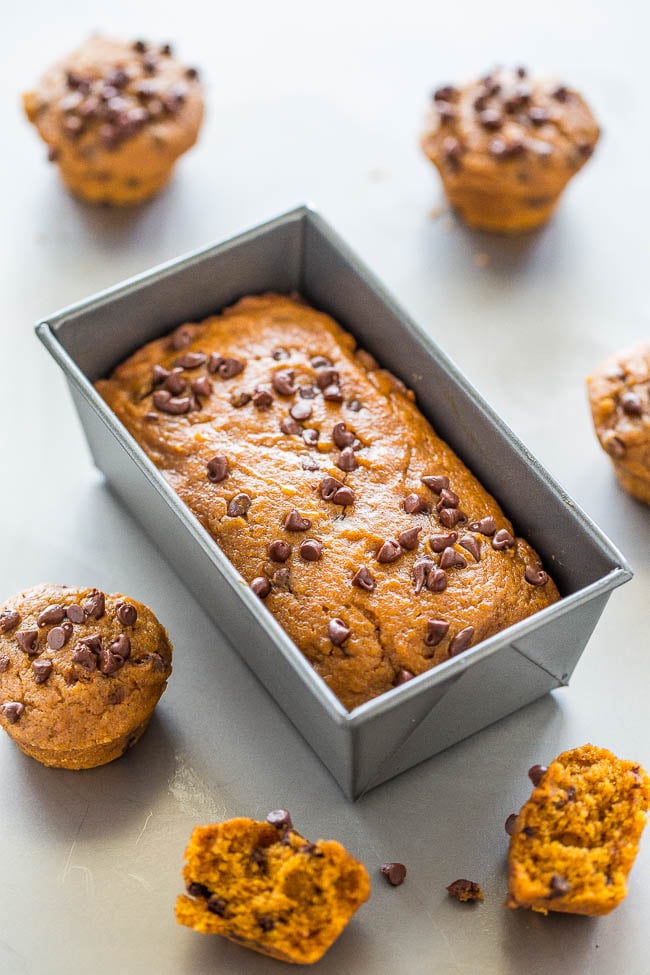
121, 647
9, 620
4, 662
294, 522
363, 579
461, 641
258, 856
280, 354
402, 676
631, 404
559, 886
421, 569
614, 445
239, 506
27, 640
486, 526
149, 64
394, 873
84, 656
95, 604
201, 386
195, 889
451, 559
301, 410
389, 551
446, 93
338, 631
262, 400
12, 710
328, 487
53, 614
310, 436
355, 405
159, 374
151, 417
436, 482
436, 632
452, 151
535, 575
109, 663
413, 504
261, 586
538, 115
174, 384
282, 382
75, 613
217, 468
510, 824
472, 545
166, 403
490, 118
536, 773
341, 436
347, 460
320, 361
73, 126
308, 392
289, 427
561, 93
465, 890
448, 499
265, 922
311, 550
57, 637
280, 818
279, 550
333, 394
438, 543
503, 540
344, 496
446, 112
569, 797
216, 905
42, 670
126, 613
437, 580
328, 377
228, 367
409, 539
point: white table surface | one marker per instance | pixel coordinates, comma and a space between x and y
324, 106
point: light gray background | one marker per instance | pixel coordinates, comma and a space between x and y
321, 104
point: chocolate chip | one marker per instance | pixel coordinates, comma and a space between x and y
472, 545
159, 374
394, 873
510, 824
217, 468
437, 580
491, 119
311, 550
12, 710
503, 540
486, 526
294, 522
413, 504
461, 641
258, 857
201, 386
569, 797
282, 580
363, 579
280, 354
507, 150
338, 631
333, 394
535, 575
261, 586
174, 384
84, 656
451, 559
4, 662
310, 436
282, 382
347, 460
109, 662
328, 377
126, 613
73, 126
57, 637
436, 632
536, 773
53, 154
216, 905
561, 93
308, 392
390, 551
95, 605
436, 482
328, 487
421, 569
409, 539
538, 115
166, 403
452, 151
438, 543
262, 400
280, 818
465, 890
355, 405
42, 670
53, 614
195, 889
448, 499
240, 399
279, 550
27, 640
265, 922
239, 506
301, 410
9, 620
403, 676
559, 886
290, 427
228, 367
320, 361
149, 64
614, 445
631, 404
344, 496
446, 93
341, 436
75, 613
445, 111
121, 647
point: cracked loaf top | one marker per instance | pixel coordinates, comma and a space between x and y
367, 538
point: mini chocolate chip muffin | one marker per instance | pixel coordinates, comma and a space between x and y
116, 116
262, 885
81, 672
506, 146
619, 396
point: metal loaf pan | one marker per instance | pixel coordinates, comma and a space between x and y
299, 251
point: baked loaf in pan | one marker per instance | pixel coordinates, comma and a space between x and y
368, 539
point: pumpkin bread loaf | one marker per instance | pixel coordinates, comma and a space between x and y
264, 886
365, 535
574, 842
81, 672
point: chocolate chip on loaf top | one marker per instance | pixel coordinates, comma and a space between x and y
365, 535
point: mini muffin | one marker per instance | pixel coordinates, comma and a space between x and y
262, 885
574, 842
619, 396
81, 672
506, 146
116, 116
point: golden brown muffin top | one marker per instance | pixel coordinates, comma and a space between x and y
619, 395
